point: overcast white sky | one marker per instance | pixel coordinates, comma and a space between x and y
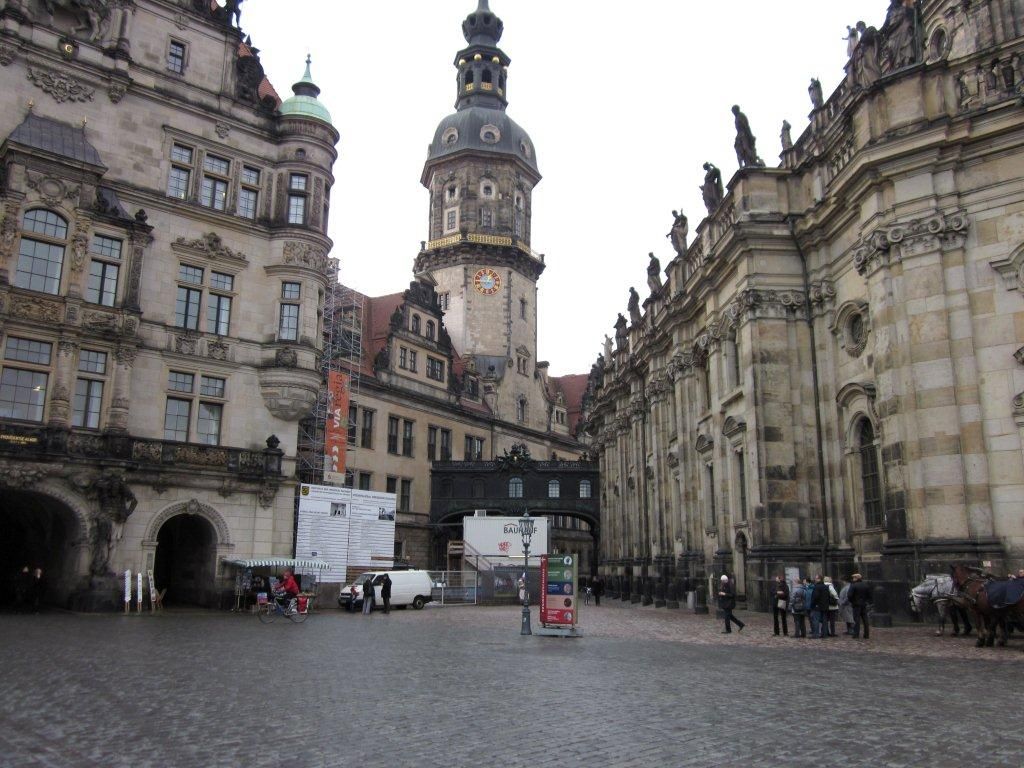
624, 103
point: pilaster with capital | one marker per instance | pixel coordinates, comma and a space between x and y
124, 359
63, 384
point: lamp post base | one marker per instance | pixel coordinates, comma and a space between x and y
526, 621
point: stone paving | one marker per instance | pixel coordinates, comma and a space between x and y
460, 687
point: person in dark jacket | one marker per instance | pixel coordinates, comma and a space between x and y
798, 605
385, 593
727, 601
598, 587
781, 604
368, 596
859, 597
818, 606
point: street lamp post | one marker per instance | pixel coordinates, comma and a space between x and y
527, 525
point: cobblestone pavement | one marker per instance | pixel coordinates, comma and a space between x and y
460, 687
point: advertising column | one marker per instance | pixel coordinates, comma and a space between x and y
559, 609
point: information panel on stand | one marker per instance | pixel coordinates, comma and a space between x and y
558, 588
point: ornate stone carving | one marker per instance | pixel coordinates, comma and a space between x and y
79, 245
289, 393
34, 308
222, 129
227, 488
286, 358
822, 291
267, 494
211, 245
1018, 410
60, 392
17, 475
217, 350
126, 355
67, 347
9, 229
1019, 355
186, 343
60, 86
306, 255
7, 55
51, 191
116, 92
100, 322
929, 233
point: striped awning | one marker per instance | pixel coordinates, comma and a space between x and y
280, 562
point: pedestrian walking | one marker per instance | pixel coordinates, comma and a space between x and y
833, 606
819, 608
385, 593
727, 601
368, 595
587, 592
798, 607
860, 598
845, 609
598, 589
781, 605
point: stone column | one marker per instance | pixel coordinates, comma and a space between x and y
117, 419
63, 385
9, 231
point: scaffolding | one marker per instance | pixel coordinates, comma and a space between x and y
342, 352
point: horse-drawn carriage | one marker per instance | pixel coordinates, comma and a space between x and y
968, 594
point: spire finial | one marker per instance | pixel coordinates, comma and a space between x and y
308, 75
482, 6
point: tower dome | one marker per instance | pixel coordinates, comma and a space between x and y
305, 102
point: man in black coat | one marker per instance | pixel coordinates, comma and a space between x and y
780, 603
818, 607
597, 585
859, 597
727, 601
385, 593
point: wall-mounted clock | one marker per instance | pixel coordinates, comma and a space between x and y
486, 281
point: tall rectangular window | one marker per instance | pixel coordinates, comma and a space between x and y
474, 448
288, 326
432, 443
103, 271
393, 434
712, 512
176, 57
179, 180
40, 263
412, 360
249, 193
741, 479
407, 437
444, 300
210, 415
22, 394
353, 423
218, 314
403, 358
391, 485
213, 192
88, 401
366, 440
186, 308
364, 481
435, 369
298, 184
446, 445
177, 415
405, 497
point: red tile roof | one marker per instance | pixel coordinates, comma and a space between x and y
572, 388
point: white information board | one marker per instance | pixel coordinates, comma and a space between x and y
346, 528
500, 540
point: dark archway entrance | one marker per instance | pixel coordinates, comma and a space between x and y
38, 531
186, 561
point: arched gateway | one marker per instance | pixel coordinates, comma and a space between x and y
186, 542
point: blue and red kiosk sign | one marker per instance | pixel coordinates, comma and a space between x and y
558, 587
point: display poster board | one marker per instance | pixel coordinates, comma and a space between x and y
127, 590
792, 575
153, 597
499, 539
559, 586
336, 428
346, 528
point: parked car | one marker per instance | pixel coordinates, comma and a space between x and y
407, 588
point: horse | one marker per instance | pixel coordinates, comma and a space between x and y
89, 14
975, 586
939, 591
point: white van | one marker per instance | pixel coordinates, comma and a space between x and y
407, 588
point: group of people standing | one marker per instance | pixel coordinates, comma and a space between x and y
816, 601
370, 595
28, 589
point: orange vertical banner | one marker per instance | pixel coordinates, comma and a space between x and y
336, 429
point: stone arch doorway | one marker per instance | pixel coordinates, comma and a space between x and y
38, 530
739, 563
186, 560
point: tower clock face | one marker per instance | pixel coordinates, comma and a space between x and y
487, 281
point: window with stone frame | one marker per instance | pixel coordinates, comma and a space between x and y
198, 396
249, 192
435, 369
585, 489
554, 489
871, 486
741, 483
414, 324
521, 409
709, 478
213, 189
288, 313
87, 404
407, 437
451, 220
405, 496
444, 300
177, 56
473, 448
24, 378
366, 436
298, 192
391, 484
104, 270
365, 481
515, 488
179, 180
393, 425
432, 443
353, 422
429, 330
44, 237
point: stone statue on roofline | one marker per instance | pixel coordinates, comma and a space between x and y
653, 274
785, 136
745, 144
711, 189
633, 306
679, 233
620, 333
815, 92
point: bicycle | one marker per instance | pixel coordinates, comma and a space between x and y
296, 609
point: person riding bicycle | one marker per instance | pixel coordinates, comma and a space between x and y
287, 589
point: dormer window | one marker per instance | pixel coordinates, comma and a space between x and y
430, 330
415, 323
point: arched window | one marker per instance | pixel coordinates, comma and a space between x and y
872, 487
515, 488
732, 353
487, 76
415, 323
554, 489
521, 409
468, 78
41, 256
430, 329
584, 489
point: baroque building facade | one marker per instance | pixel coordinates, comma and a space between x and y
163, 264
447, 371
829, 377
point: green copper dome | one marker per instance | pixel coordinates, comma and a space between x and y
305, 103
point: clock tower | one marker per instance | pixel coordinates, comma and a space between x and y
481, 170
